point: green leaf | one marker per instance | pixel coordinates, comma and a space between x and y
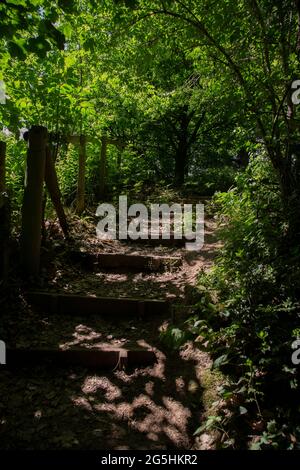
243, 410
220, 361
16, 49
200, 429
39, 46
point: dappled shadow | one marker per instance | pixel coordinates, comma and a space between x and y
51, 407
77, 279
150, 408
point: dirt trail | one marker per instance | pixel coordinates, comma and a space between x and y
157, 407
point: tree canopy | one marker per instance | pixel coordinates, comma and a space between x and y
174, 99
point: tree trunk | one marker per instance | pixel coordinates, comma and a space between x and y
119, 166
180, 165
81, 176
54, 192
242, 158
102, 183
181, 157
33, 201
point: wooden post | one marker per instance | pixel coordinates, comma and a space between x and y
81, 176
53, 189
33, 201
5, 224
4, 219
2, 166
82, 140
102, 187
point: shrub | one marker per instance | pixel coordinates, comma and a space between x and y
254, 288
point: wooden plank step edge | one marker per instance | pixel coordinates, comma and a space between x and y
89, 358
117, 261
81, 304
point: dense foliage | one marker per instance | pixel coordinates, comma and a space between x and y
189, 91
250, 317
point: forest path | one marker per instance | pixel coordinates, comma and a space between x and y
155, 407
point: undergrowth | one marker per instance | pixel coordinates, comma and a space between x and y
247, 317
